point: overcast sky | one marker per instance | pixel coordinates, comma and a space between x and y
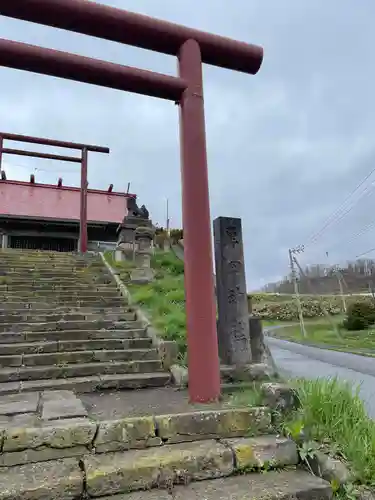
285, 147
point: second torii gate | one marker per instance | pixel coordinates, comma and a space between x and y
192, 47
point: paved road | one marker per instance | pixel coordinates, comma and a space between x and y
311, 362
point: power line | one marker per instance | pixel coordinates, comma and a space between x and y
368, 191
334, 214
37, 169
365, 229
364, 253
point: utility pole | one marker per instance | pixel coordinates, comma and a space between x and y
293, 251
339, 279
167, 221
326, 313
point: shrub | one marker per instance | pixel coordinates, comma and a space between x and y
176, 235
360, 316
284, 307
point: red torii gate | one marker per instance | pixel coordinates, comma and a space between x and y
192, 47
84, 148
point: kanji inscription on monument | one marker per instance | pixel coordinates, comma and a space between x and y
233, 323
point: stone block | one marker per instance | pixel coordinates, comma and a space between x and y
125, 434
275, 485
279, 397
164, 466
58, 434
19, 403
168, 353
24, 420
10, 360
180, 376
68, 407
57, 480
330, 469
264, 452
213, 424
141, 276
42, 454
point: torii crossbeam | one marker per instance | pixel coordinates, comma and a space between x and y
192, 48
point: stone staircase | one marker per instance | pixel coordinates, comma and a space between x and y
64, 325
65, 337
53, 448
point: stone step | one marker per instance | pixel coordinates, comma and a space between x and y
98, 382
71, 281
26, 261
47, 264
78, 370
25, 284
54, 420
194, 464
59, 295
80, 267
115, 473
40, 273
12, 317
46, 253
67, 310
60, 288
66, 301
61, 346
77, 357
61, 335
61, 325
275, 485
46, 274
52, 304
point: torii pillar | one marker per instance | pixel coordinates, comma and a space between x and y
192, 47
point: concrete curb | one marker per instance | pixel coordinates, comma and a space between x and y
167, 349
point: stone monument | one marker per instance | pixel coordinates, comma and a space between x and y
135, 218
233, 322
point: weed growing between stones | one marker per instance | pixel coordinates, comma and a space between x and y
332, 418
332, 422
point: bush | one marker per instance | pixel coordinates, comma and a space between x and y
360, 316
176, 235
284, 307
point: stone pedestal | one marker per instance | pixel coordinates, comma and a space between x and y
233, 322
126, 240
143, 237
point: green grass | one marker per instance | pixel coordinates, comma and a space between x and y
275, 322
164, 298
333, 413
323, 334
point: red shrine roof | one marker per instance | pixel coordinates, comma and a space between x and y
46, 201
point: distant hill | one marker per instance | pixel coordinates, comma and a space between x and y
357, 276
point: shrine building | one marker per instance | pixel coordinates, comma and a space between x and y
46, 217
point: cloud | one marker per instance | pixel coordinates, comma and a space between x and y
284, 147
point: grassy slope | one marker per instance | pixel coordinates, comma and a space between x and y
164, 298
